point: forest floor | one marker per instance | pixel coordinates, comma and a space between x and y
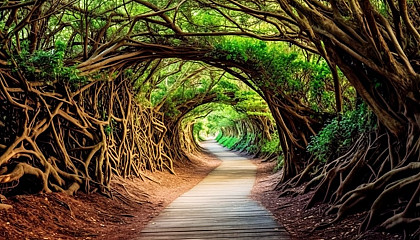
136, 202
289, 211
94, 216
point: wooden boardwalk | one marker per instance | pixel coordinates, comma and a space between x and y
219, 207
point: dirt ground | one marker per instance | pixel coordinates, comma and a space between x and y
136, 202
289, 211
94, 216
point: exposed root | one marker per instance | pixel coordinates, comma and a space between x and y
73, 139
368, 178
5, 206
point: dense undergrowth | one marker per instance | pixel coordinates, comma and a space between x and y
333, 140
341, 132
244, 144
92, 89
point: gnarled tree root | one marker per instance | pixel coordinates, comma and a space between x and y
77, 138
370, 179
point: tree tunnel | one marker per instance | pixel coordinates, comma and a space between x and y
95, 89
114, 108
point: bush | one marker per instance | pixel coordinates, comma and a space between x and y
48, 66
271, 146
338, 134
244, 143
228, 142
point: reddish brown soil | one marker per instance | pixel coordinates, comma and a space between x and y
289, 211
94, 216
136, 202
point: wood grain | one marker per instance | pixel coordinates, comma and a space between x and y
219, 207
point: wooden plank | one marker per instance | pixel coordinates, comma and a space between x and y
217, 233
260, 236
218, 208
211, 225
207, 218
219, 228
220, 234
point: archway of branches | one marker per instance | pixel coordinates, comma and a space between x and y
71, 117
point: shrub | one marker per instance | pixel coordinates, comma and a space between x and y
228, 142
338, 134
48, 66
271, 146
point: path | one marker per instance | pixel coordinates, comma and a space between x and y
219, 207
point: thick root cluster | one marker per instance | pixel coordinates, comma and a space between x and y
71, 137
378, 175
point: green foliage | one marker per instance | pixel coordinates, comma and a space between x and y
178, 83
108, 129
271, 146
280, 163
242, 50
275, 58
246, 143
320, 99
48, 66
198, 127
283, 69
251, 104
222, 116
228, 142
219, 136
226, 85
111, 126
338, 134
